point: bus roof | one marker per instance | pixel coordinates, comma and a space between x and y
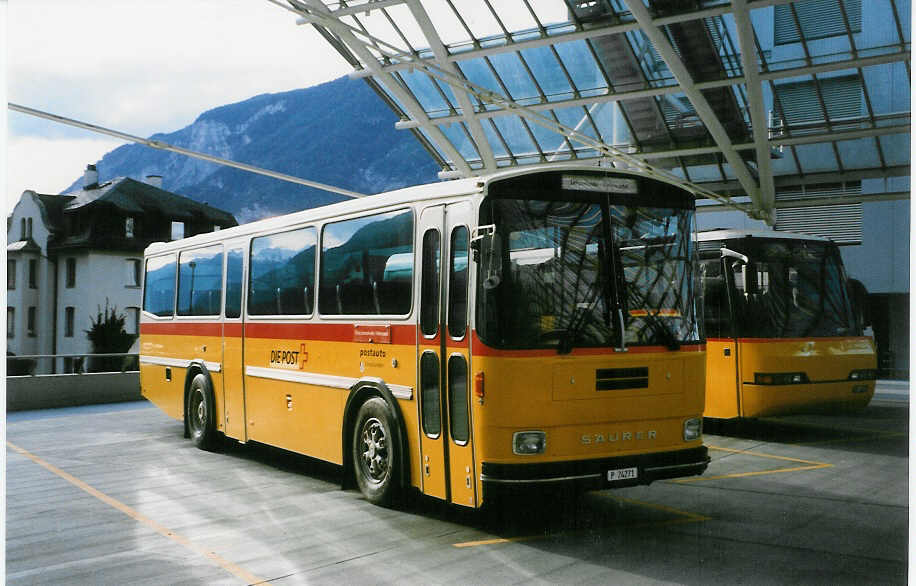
730, 234
407, 195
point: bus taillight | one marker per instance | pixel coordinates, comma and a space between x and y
478, 387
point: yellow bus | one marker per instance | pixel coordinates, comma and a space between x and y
528, 328
783, 330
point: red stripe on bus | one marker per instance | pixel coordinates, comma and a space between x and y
344, 332
812, 339
183, 328
481, 349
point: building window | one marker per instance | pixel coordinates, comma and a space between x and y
129, 227
71, 272
133, 272
132, 322
28, 226
10, 322
842, 97
819, 19
30, 321
177, 230
33, 274
69, 315
11, 275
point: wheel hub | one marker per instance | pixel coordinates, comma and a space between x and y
374, 450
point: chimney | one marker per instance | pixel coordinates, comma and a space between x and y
154, 180
90, 178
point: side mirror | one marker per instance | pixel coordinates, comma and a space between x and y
727, 253
486, 246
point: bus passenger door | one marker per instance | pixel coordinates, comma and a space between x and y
233, 362
447, 463
722, 384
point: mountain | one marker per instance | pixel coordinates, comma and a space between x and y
339, 133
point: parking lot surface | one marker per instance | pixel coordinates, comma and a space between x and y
114, 494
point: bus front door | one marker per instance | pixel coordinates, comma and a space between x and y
722, 382
447, 457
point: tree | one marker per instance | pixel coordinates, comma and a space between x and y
108, 336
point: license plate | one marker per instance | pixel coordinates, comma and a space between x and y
622, 474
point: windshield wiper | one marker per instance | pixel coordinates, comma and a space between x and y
662, 330
582, 314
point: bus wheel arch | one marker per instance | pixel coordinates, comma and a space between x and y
360, 394
200, 407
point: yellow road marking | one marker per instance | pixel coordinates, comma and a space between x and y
496, 540
808, 465
687, 517
137, 516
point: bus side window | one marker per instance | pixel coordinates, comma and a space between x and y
200, 281
159, 292
367, 265
281, 278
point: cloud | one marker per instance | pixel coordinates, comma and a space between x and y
49, 165
146, 67
139, 67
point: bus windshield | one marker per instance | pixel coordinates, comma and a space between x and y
791, 289
570, 272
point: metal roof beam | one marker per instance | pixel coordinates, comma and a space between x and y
164, 146
580, 35
366, 7
821, 201
794, 180
701, 105
464, 101
676, 89
316, 11
759, 125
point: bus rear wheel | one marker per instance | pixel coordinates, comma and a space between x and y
376, 453
200, 413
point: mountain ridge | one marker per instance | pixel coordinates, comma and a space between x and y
338, 133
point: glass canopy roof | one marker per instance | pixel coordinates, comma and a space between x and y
733, 98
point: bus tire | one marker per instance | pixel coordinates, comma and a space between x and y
200, 413
376, 452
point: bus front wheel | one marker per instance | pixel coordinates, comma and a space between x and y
200, 413
376, 457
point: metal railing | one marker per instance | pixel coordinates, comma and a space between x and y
88, 362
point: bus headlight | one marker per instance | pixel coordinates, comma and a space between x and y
863, 374
780, 378
529, 442
693, 428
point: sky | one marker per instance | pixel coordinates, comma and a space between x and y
139, 67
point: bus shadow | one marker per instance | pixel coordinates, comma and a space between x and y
282, 460
875, 430
536, 515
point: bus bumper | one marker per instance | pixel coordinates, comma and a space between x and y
597, 474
